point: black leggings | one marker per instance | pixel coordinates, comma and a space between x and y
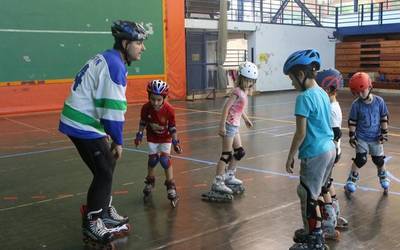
98, 157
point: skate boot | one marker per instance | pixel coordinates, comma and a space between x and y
341, 223
300, 236
232, 182
384, 180
114, 223
314, 241
219, 191
149, 182
171, 191
351, 185
111, 218
329, 223
118, 224
95, 233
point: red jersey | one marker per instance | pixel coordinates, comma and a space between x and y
158, 122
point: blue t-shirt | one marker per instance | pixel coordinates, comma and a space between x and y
314, 105
368, 117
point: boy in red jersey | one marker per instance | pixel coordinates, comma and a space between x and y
158, 117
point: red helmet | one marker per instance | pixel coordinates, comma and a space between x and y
359, 82
157, 87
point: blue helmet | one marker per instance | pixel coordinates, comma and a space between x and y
302, 57
330, 80
127, 30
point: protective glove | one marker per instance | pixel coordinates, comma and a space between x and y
177, 146
353, 139
139, 138
383, 137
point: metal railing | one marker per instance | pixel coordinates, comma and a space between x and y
271, 11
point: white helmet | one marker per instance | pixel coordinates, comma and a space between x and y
249, 70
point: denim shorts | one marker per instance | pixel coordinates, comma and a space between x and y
373, 148
231, 130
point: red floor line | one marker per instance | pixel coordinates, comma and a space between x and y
120, 192
39, 197
10, 198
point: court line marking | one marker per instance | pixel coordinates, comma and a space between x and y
54, 31
35, 152
264, 171
26, 125
209, 163
250, 132
262, 118
228, 225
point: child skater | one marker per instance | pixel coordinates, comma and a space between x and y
158, 117
368, 130
314, 141
331, 81
225, 183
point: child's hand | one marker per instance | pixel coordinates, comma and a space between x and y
222, 131
249, 124
352, 139
177, 146
383, 137
139, 138
290, 165
353, 142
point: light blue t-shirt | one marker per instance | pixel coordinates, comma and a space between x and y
368, 118
314, 105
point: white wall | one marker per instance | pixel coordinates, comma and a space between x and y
213, 25
272, 45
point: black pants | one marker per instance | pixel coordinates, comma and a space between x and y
97, 156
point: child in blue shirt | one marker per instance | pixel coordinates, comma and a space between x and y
314, 141
368, 130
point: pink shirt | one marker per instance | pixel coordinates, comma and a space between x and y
236, 110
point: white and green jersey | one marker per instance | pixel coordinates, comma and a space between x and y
97, 103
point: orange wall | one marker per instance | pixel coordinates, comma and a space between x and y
45, 96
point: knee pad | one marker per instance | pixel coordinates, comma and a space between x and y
308, 207
165, 161
360, 160
226, 157
379, 160
153, 160
239, 153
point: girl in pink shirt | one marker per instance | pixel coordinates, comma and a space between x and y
225, 183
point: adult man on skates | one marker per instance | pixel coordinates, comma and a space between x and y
93, 115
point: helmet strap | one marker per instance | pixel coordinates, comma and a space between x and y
125, 53
367, 98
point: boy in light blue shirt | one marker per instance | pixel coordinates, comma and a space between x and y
314, 140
